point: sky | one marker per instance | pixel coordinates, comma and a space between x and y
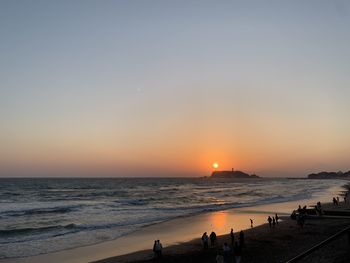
167, 88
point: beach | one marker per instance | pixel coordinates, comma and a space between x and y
180, 236
264, 244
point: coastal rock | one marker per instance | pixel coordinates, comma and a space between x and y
232, 174
330, 175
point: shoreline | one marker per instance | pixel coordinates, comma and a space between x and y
191, 227
265, 244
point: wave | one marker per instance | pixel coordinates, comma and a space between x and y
60, 230
30, 231
40, 211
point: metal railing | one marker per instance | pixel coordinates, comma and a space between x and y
319, 245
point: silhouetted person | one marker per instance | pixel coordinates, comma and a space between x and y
251, 222
154, 248
226, 250
270, 221
299, 210
276, 217
212, 238
293, 215
318, 208
335, 202
273, 221
237, 252
157, 248
205, 241
232, 237
241, 239
304, 209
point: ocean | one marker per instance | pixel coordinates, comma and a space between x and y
45, 215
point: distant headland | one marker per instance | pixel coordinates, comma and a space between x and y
330, 175
232, 174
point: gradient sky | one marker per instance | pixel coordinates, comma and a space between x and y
166, 88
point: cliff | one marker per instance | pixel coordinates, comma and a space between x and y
330, 175
232, 174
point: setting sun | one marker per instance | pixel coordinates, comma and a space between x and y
215, 165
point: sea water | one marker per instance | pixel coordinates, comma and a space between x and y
45, 215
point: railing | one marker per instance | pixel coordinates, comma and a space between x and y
324, 242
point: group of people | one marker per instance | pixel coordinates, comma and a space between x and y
273, 220
336, 201
157, 249
205, 239
302, 210
236, 246
301, 215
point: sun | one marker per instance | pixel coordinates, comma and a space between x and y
215, 165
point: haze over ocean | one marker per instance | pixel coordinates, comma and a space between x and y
159, 88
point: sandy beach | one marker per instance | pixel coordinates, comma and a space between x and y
180, 237
264, 244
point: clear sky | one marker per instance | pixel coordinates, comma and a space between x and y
167, 88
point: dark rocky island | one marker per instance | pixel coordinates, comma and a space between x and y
232, 174
330, 175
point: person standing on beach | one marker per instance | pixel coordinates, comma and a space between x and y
276, 216
154, 248
212, 238
335, 202
241, 239
205, 241
160, 249
232, 237
270, 221
318, 208
273, 222
251, 222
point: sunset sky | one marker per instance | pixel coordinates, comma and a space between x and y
167, 88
